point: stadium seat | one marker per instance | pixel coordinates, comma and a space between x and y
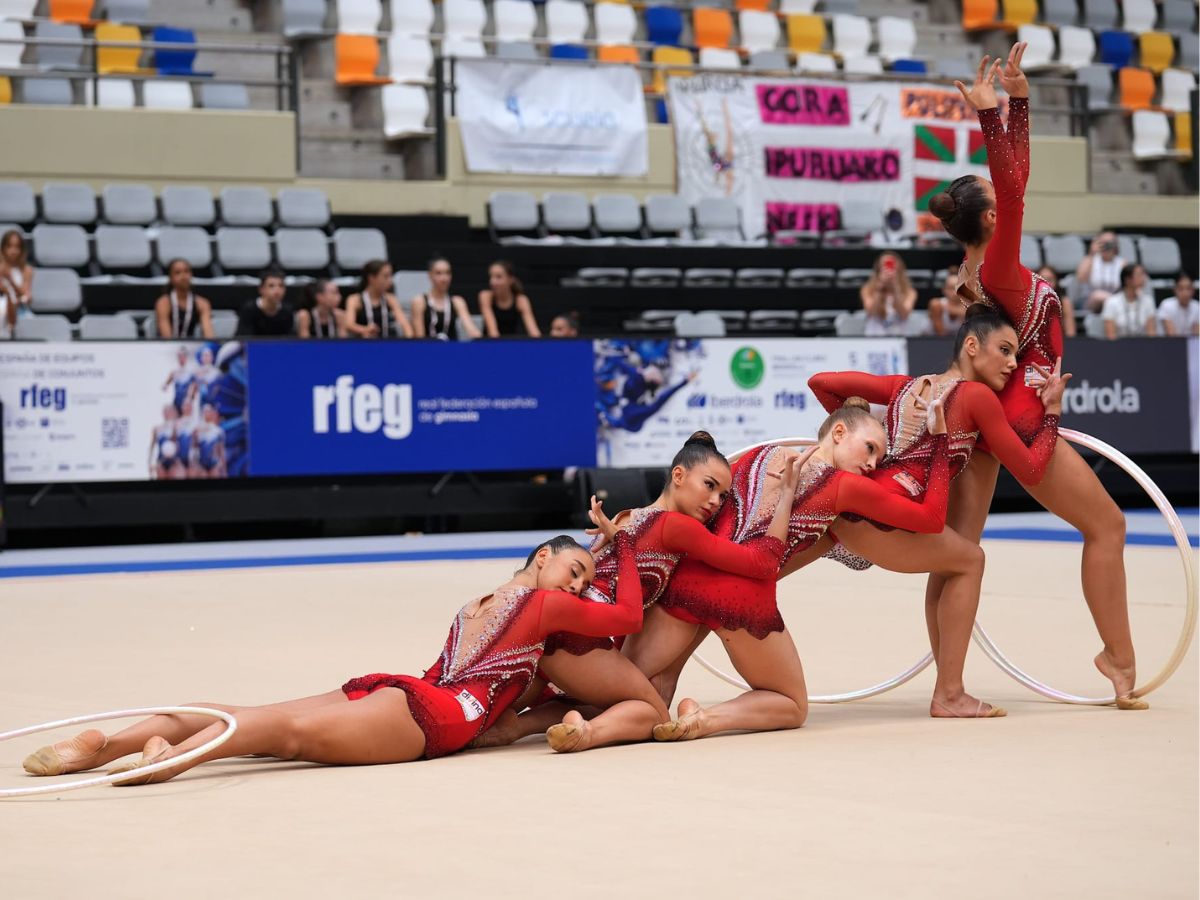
566, 21
515, 20
118, 59
187, 205
463, 47
1076, 46
47, 91
719, 58
1097, 78
163, 94
759, 278
1177, 87
10, 53
759, 30
1151, 134
17, 202
43, 328
897, 37
122, 247
512, 213
112, 93
1100, 14
301, 17
243, 249
302, 207
78, 12
979, 15
753, 5
1116, 48
664, 25
175, 62
617, 215
815, 62
1060, 12
357, 59
618, 53
797, 7
569, 51
1179, 17
1189, 52
670, 56
776, 60
224, 324
707, 277
56, 291
302, 249
601, 276
806, 34
1040, 52
955, 67
18, 9
413, 18
851, 35
712, 27
702, 324
1183, 135
183, 242
863, 65
616, 23
1160, 256
566, 213
1138, 15
667, 216
129, 204
68, 202
355, 247
116, 327
851, 278
1127, 248
516, 49
1136, 87
1020, 12
358, 16
62, 56
851, 324
777, 321
836, 7
1156, 51
1062, 252
463, 18
1031, 252
719, 219
405, 110
224, 96
246, 206
655, 277
131, 12
910, 67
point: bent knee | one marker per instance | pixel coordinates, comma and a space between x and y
801, 711
1107, 526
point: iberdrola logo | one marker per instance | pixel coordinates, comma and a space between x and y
747, 368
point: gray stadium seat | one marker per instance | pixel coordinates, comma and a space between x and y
188, 243
246, 207
116, 327
1189, 52
302, 208
600, 276
56, 291
833, 7
224, 96
703, 324
224, 323
187, 204
60, 245
1062, 252
733, 318
566, 212
617, 214
1179, 16
1160, 257
512, 212
47, 92
759, 278
852, 278
68, 203
778, 320
859, 219
1031, 252
1127, 248
58, 56
516, 50
43, 328
1061, 12
921, 278
806, 278
17, 202
954, 67
1098, 80
655, 276
698, 278
407, 283
770, 59
719, 219
122, 247
1100, 14
355, 247
243, 249
667, 215
129, 204
303, 17
851, 324
302, 249
129, 12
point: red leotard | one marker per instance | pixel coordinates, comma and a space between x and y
1028, 301
490, 659
697, 593
661, 540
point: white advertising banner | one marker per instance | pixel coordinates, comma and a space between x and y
117, 411
551, 120
794, 153
652, 394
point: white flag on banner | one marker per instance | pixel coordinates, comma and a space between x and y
551, 120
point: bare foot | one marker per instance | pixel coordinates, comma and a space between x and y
571, 735
155, 750
686, 726
964, 706
67, 756
504, 732
1123, 680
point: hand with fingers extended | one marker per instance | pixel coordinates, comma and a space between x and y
1052, 388
1012, 79
935, 413
604, 527
982, 94
790, 476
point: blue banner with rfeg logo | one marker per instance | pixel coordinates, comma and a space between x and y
358, 407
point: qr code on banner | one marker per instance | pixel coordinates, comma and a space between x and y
115, 433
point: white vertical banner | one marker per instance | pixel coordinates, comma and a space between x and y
564, 119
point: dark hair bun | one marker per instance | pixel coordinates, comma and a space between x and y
856, 403
943, 206
979, 310
702, 437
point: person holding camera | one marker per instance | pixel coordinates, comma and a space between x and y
888, 297
1098, 276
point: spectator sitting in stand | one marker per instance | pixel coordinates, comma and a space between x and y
437, 313
947, 311
16, 275
888, 297
1180, 314
1130, 312
374, 311
267, 315
565, 325
179, 312
1048, 275
507, 311
1098, 276
322, 317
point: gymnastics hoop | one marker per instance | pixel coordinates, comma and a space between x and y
230, 728
989, 647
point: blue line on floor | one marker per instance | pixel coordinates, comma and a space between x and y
1073, 537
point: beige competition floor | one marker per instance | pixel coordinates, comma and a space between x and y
869, 800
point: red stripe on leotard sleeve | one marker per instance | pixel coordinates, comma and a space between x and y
833, 388
856, 494
758, 558
1027, 463
566, 612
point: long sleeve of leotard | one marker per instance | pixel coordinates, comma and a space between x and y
1027, 463
1008, 162
758, 558
833, 388
857, 494
566, 612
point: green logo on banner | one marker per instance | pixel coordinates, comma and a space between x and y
747, 368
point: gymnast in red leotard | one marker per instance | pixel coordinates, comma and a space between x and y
487, 665
987, 217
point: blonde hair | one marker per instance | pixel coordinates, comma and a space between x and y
852, 413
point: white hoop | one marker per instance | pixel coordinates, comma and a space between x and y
230, 728
981, 636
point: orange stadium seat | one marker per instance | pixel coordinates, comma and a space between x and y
1137, 87
1183, 134
755, 5
76, 12
618, 53
1157, 50
357, 58
5, 90
980, 14
118, 59
712, 27
1020, 12
670, 56
806, 34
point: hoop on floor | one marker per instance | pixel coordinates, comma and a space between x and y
227, 718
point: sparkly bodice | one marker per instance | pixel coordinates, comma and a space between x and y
654, 563
910, 445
